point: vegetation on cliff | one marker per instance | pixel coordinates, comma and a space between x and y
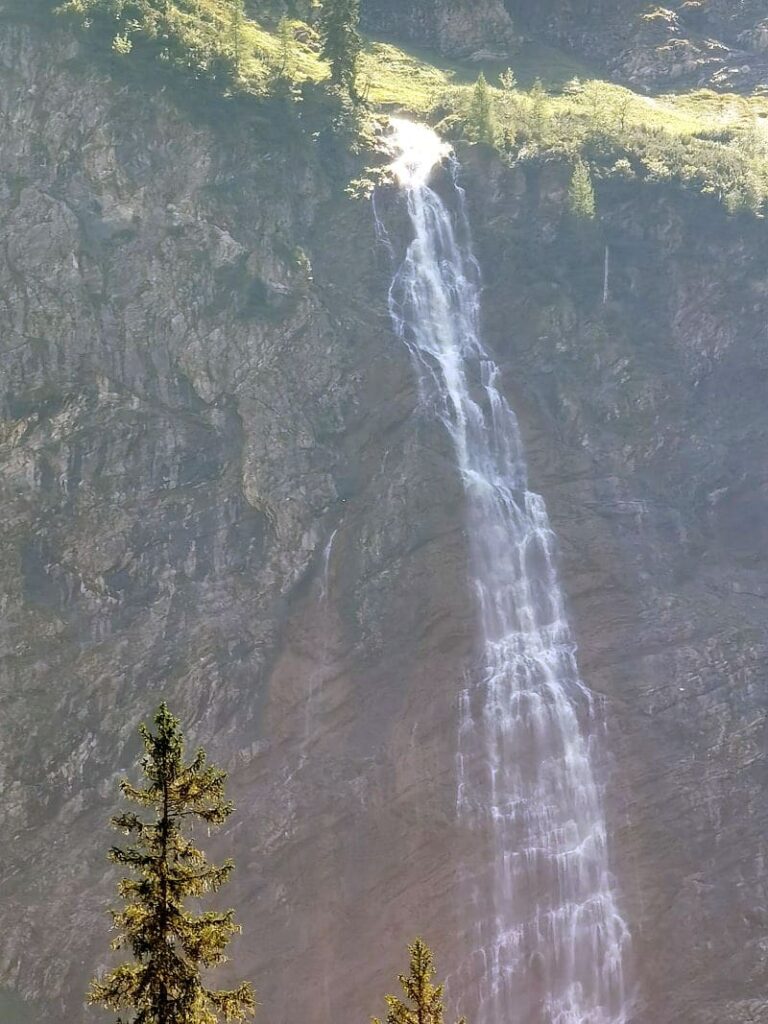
170, 945
707, 142
424, 1001
339, 21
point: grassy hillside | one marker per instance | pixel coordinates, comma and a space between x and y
713, 143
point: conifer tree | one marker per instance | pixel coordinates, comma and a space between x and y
581, 194
538, 113
170, 946
426, 999
287, 64
237, 18
341, 40
508, 109
481, 113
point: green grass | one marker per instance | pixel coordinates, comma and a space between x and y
530, 61
262, 54
703, 140
391, 77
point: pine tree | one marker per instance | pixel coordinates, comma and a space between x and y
170, 946
581, 194
508, 80
538, 113
237, 19
482, 118
287, 63
426, 999
341, 40
508, 109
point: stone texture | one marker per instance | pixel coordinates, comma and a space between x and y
646, 430
199, 389
715, 43
454, 27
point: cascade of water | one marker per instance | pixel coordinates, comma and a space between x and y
326, 565
545, 942
322, 652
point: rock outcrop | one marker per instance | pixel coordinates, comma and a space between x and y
657, 46
455, 27
218, 488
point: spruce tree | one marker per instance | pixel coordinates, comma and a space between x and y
581, 194
481, 113
170, 946
341, 41
538, 111
236, 22
426, 999
508, 108
287, 65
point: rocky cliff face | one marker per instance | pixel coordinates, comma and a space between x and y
213, 491
217, 488
645, 425
701, 43
458, 27
712, 43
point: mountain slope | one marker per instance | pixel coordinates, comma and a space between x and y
218, 488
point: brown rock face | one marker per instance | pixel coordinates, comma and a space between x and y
646, 432
217, 488
199, 391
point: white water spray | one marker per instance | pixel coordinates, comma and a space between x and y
544, 941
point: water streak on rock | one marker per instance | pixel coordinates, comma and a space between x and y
545, 942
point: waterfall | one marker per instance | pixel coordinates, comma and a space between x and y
326, 566
544, 940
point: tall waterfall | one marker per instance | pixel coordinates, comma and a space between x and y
544, 940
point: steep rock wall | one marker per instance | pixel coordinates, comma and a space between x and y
645, 423
200, 392
712, 43
460, 27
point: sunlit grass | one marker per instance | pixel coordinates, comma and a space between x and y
710, 142
390, 77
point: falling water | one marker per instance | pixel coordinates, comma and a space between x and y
326, 566
545, 942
